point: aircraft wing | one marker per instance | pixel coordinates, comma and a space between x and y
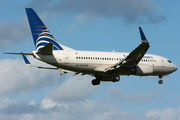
134, 57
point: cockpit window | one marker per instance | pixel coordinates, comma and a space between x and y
169, 61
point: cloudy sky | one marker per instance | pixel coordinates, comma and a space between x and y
97, 25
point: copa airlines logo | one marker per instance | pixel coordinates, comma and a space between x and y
44, 38
149, 57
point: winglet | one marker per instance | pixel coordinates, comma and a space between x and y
26, 60
143, 37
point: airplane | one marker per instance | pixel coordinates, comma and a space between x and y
104, 66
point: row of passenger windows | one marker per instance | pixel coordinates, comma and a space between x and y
143, 60
98, 58
118, 59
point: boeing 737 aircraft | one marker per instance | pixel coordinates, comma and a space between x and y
104, 66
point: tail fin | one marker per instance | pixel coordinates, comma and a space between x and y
40, 33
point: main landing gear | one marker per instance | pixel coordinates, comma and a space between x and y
105, 78
160, 81
95, 82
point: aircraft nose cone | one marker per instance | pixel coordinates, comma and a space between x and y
175, 68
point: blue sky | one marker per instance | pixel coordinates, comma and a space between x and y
93, 25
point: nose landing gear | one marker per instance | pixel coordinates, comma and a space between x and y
160, 81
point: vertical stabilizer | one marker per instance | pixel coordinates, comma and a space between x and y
41, 35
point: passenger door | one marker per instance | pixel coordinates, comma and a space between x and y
67, 58
162, 62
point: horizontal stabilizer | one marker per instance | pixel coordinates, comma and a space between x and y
26, 60
46, 50
30, 65
18, 53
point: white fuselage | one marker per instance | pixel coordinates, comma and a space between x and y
92, 62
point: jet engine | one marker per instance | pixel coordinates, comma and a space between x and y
142, 70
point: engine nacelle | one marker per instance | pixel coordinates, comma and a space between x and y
142, 70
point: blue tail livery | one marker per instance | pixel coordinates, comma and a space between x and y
40, 33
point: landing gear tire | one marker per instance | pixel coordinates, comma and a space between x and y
116, 79
160, 81
95, 82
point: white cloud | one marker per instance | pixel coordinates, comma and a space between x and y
72, 100
75, 89
79, 110
129, 10
48, 103
119, 95
14, 32
31, 103
5, 102
166, 114
17, 77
